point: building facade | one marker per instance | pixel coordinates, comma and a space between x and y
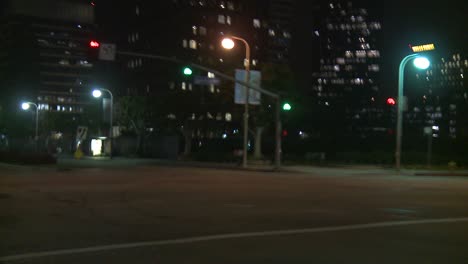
440, 98
348, 85
46, 56
192, 31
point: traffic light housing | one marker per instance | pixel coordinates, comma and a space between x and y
94, 44
187, 71
287, 106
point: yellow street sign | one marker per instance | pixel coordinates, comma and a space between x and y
425, 47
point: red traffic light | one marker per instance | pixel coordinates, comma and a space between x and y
391, 101
94, 44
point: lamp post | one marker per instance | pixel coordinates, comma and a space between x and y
421, 63
97, 93
25, 106
228, 43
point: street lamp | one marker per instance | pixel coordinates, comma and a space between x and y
97, 93
25, 106
419, 62
228, 43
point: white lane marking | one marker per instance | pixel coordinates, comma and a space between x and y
230, 236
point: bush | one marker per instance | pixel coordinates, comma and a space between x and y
27, 158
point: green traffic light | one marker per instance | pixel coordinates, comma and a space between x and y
286, 107
187, 71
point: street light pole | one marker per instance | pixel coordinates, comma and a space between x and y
399, 129
25, 107
111, 114
247, 94
278, 134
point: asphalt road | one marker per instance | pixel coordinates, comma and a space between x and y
43, 210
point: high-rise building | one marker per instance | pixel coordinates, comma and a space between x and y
192, 31
348, 84
440, 98
45, 54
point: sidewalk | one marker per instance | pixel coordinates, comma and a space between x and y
68, 163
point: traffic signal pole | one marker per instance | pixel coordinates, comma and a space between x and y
229, 78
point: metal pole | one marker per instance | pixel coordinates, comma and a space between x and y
37, 128
246, 105
399, 129
278, 134
111, 114
429, 149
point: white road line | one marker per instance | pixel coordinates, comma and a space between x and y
230, 236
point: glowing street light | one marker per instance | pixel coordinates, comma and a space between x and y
228, 43
419, 62
97, 93
25, 106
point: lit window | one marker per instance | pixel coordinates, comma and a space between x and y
184, 43
340, 60
212, 88
228, 117
374, 67
193, 44
211, 75
255, 62
271, 32
194, 30
221, 19
184, 86
256, 23
190, 87
286, 34
360, 53
228, 20
137, 10
349, 54
202, 31
373, 54
365, 46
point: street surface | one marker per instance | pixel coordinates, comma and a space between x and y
110, 211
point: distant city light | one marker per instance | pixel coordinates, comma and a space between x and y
224, 136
